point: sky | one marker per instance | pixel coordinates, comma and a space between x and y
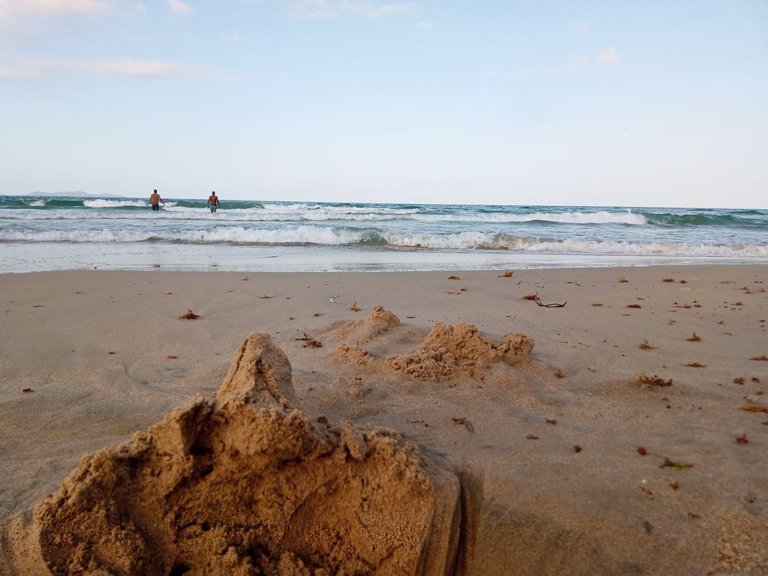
549, 102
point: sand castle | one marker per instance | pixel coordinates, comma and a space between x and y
247, 484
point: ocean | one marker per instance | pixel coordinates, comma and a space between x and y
39, 233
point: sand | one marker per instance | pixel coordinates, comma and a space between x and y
385, 423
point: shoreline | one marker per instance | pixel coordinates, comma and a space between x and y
106, 355
144, 257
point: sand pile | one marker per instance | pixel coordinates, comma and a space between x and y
454, 351
447, 352
247, 484
358, 332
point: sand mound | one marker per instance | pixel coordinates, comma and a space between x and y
248, 484
354, 355
378, 322
452, 351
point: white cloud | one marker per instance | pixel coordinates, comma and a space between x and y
180, 7
316, 9
576, 65
35, 68
581, 26
609, 57
130, 67
12, 9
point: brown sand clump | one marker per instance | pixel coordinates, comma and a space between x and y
454, 351
247, 484
354, 355
378, 322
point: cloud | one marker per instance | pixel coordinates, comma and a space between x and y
20, 18
13, 12
13, 9
318, 9
180, 7
36, 68
574, 66
609, 57
581, 26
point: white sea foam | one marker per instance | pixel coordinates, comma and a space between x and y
102, 203
282, 236
331, 236
601, 217
75, 236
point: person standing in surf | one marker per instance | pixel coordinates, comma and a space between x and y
155, 201
213, 202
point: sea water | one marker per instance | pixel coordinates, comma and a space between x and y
40, 233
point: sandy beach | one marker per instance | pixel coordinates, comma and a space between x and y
564, 421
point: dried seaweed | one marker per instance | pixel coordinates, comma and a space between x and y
752, 406
189, 315
309, 341
676, 465
654, 381
553, 305
464, 422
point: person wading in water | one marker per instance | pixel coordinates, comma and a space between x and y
213, 202
155, 201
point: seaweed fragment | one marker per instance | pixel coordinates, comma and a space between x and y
655, 381
309, 341
752, 406
464, 422
552, 305
676, 465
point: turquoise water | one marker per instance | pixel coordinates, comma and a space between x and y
78, 232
